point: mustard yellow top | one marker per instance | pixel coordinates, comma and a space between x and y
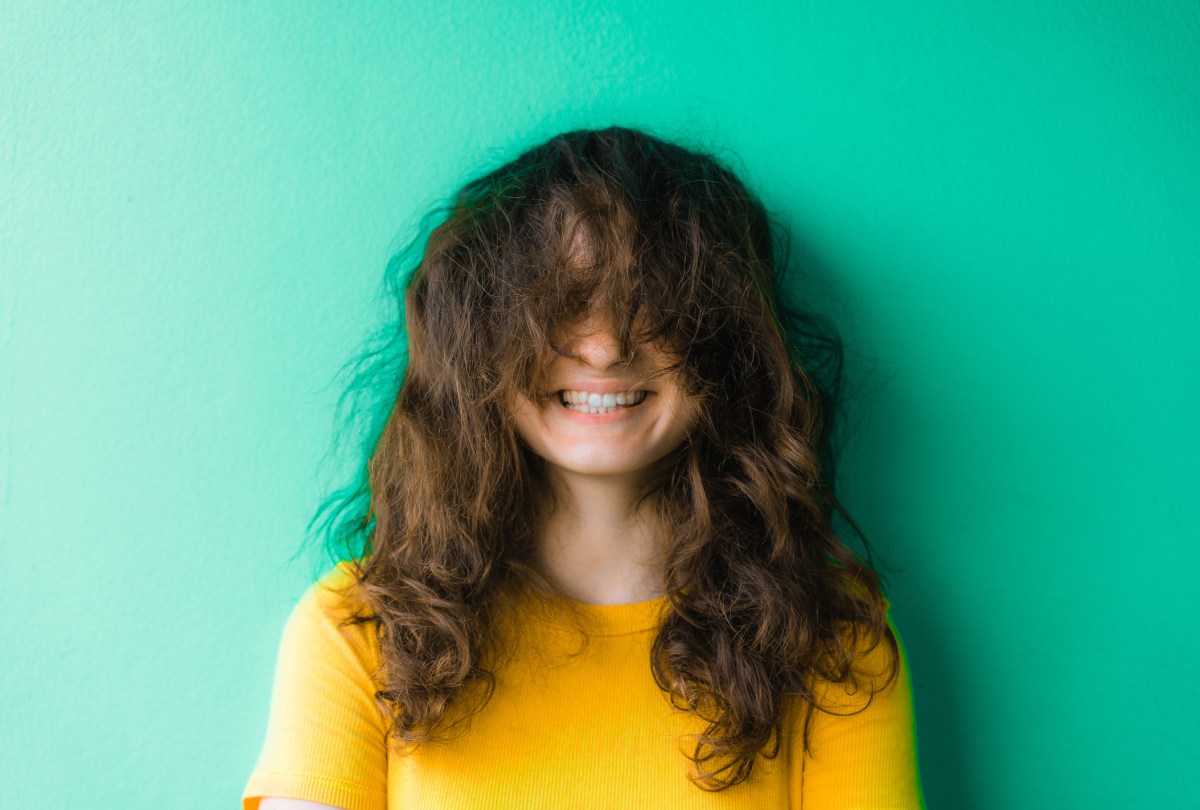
568, 725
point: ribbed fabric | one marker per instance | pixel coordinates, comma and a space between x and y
575, 721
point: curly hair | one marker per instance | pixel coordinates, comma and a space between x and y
766, 601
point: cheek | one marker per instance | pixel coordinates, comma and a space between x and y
525, 418
680, 416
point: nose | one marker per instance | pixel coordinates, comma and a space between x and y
594, 344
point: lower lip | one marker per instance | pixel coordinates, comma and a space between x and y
619, 415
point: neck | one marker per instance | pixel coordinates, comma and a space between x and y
597, 544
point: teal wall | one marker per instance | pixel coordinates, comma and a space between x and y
1001, 201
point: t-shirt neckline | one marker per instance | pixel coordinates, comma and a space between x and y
608, 620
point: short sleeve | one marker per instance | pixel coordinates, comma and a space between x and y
863, 760
326, 738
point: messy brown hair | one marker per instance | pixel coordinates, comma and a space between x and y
766, 601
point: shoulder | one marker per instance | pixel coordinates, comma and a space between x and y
337, 592
333, 613
867, 662
859, 749
326, 731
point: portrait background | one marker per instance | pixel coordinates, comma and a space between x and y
997, 204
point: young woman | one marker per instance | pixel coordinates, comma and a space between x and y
598, 566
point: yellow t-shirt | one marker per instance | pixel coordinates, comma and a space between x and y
567, 726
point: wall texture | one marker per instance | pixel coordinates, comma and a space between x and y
1001, 201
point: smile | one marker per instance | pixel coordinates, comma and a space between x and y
593, 403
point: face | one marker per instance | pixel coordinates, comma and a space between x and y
595, 419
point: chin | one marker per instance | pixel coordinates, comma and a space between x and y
600, 465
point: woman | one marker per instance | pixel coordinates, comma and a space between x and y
599, 567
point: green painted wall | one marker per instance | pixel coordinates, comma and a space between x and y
1001, 200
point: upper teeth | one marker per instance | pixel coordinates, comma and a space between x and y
591, 398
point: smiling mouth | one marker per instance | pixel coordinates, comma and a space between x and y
593, 403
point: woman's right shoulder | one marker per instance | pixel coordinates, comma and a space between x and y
326, 730
333, 610
337, 591
337, 586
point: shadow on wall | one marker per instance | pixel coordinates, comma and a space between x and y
937, 695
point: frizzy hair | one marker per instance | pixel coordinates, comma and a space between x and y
767, 603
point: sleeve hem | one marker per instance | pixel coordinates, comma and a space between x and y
313, 788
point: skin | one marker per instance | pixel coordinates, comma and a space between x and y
597, 544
